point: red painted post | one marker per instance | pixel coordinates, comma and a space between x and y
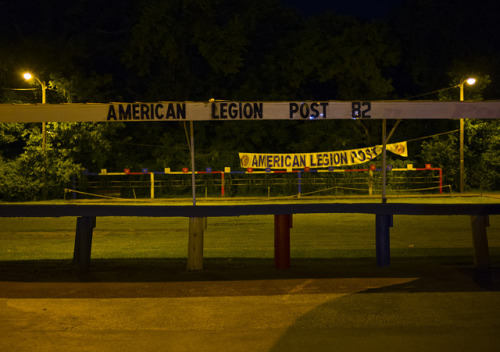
222, 190
282, 225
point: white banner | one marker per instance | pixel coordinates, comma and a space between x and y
245, 111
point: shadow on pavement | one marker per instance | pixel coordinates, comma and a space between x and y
167, 277
396, 318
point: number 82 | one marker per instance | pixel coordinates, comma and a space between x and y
361, 109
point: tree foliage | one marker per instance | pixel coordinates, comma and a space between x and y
194, 50
36, 175
483, 154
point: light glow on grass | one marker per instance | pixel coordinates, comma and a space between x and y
312, 236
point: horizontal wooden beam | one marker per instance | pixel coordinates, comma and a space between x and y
254, 111
199, 211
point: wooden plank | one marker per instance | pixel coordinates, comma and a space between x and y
480, 240
256, 111
59, 210
383, 223
83, 241
195, 244
282, 226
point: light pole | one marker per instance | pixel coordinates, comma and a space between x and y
27, 76
470, 81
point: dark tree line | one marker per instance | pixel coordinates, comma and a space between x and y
195, 50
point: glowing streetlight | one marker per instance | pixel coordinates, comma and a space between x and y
470, 81
28, 76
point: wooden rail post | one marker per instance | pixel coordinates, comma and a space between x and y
282, 226
197, 228
383, 223
152, 181
83, 241
370, 182
480, 240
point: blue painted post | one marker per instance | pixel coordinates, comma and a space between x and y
383, 222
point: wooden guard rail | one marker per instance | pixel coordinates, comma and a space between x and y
384, 212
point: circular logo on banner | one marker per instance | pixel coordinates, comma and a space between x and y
244, 161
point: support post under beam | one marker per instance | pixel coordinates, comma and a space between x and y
383, 223
195, 244
480, 240
83, 241
282, 226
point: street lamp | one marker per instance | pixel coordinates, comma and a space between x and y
469, 81
27, 76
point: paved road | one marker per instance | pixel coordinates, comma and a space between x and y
443, 311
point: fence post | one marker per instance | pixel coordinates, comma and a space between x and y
83, 241
152, 177
480, 240
383, 223
370, 182
222, 182
282, 225
300, 183
73, 178
440, 181
195, 244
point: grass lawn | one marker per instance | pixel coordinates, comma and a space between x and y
312, 236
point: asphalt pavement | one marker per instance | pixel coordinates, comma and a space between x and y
408, 307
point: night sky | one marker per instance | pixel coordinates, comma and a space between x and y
366, 9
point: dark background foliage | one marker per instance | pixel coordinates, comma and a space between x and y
195, 50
